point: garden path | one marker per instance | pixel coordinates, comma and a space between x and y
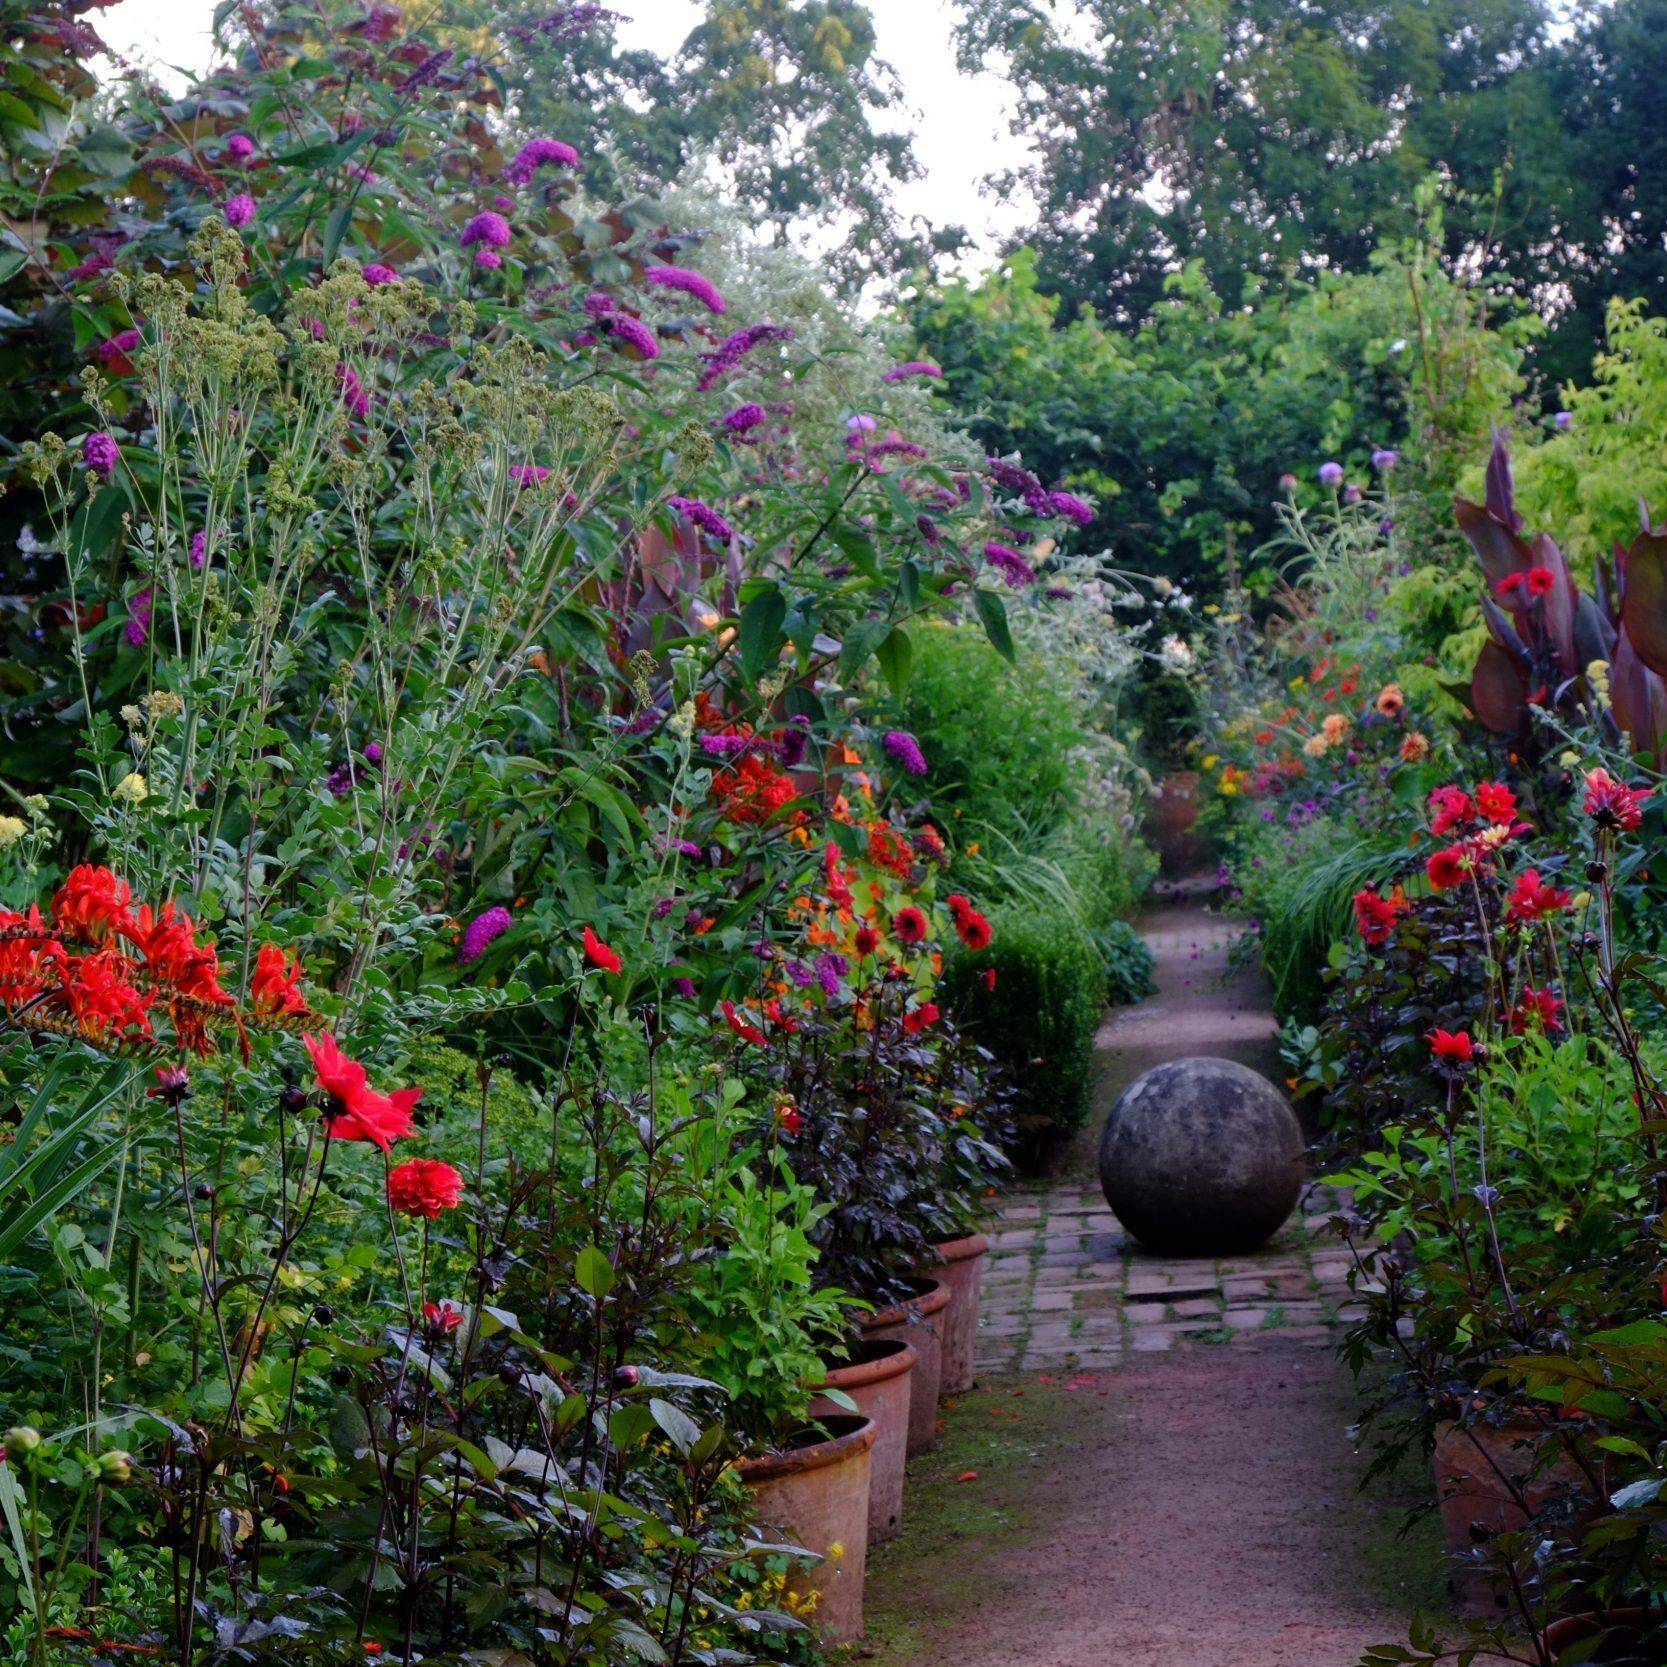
1155, 1469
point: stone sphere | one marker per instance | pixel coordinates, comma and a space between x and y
1202, 1157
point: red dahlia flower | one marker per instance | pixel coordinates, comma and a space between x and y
1532, 899
866, 941
424, 1187
442, 1318
1452, 1047
910, 925
1496, 803
1540, 581
1375, 915
1612, 804
926, 1014
1451, 808
1448, 868
598, 954
747, 1032
1537, 1010
355, 1110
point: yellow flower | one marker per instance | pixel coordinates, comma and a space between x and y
1211, 760
835, 1552
12, 829
132, 789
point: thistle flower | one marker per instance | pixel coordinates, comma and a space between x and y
1563, 420
240, 210
1385, 459
1331, 475
901, 746
481, 933
696, 285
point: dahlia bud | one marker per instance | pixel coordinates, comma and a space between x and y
324, 1315
292, 1099
22, 1440
626, 1377
116, 1467
202, 1191
1597, 871
341, 1376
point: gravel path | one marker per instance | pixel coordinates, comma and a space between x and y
1155, 1470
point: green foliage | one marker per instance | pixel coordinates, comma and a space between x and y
1040, 1017
1128, 962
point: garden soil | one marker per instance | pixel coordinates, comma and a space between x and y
1197, 1507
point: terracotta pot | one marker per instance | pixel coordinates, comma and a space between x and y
1479, 1472
959, 1263
815, 1493
880, 1379
918, 1321
1171, 824
1626, 1633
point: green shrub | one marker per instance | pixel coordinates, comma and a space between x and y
1039, 1019
1128, 963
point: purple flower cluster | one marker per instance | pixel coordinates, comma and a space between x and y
565, 24
136, 633
102, 454
240, 147
1014, 478
799, 972
887, 448
489, 229
375, 273
724, 746
793, 742
744, 418
902, 747
696, 285
1331, 474
199, 549
1010, 565
705, 517
528, 474
1068, 506
240, 210
733, 349
481, 933
831, 967
928, 529
911, 368
1383, 459
540, 153
119, 345
353, 392
428, 71
633, 332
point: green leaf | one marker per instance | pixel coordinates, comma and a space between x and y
861, 641
992, 615
761, 635
594, 1272
680, 1428
896, 656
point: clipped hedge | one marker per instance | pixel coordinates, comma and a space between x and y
1039, 1020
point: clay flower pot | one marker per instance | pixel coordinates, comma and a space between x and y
879, 1378
1625, 1633
959, 1263
918, 1321
815, 1493
1479, 1472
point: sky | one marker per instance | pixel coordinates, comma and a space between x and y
960, 122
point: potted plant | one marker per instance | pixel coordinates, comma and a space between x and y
878, 1382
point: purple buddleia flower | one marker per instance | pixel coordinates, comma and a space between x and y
428, 71
1010, 565
893, 448
705, 517
199, 549
481, 932
599, 304
375, 273
136, 633
724, 746
733, 349
662, 908
904, 749
799, 972
488, 228
240, 210
911, 368
685, 987
1011, 477
488, 260
928, 529
1068, 506
102, 454
119, 346
540, 153
633, 332
793, 741
831, 968
744, 418
240, 147
695, 285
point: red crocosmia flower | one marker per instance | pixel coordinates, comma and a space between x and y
866, 940
275, 989
357, 1111
1537, 1010
24, 941
442, 1318
1496, 803
1375, 915
1532, 899
989, 978
598, 954
1452, 1047
753, 791
888, 849
1541, 581
92, 904
909, 923
1451, 807
923, 1016
424, 1187
1612, 804
97, 992
747, 1032
1448, 868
